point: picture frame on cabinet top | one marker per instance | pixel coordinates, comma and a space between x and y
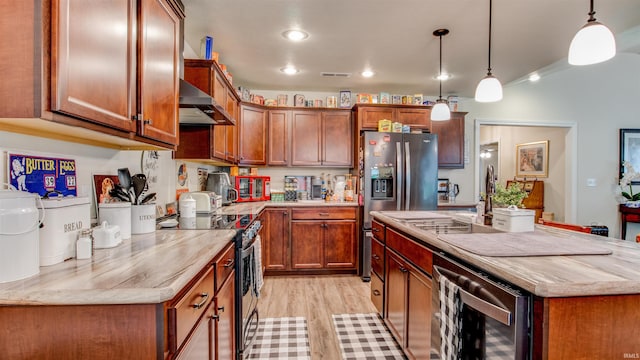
384, 98
396, 99
345, 98
298, 100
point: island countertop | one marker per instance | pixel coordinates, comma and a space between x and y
550, 276
146, 269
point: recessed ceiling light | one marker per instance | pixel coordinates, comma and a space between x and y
295, 35
367, 73
290, 70
443, 77
534, 77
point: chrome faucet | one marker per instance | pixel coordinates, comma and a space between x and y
490, 188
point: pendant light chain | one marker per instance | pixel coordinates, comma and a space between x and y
440, 96
591, 13
490, 6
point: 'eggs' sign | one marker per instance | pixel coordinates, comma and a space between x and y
41, 175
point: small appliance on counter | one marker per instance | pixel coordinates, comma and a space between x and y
205, 201
252, 187
219, 183
106, 236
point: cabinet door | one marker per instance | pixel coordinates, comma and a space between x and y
306, 244
93, 72
231, 146
225, 347
340, 244
416, 118
278, 137
252, 137
275, 248
395, 299
337, 138
450, 141
199, 345
368, 117
158, 66
418, 315
305, 138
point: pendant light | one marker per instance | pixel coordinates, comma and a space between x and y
489, 89
440, 111
594, 43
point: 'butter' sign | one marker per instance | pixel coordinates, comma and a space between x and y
41, 175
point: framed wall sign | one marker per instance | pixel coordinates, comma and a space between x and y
630, 150
443, 185
345, 99
532, 159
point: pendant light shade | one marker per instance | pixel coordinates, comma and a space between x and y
440, 112
594, 43
489, 89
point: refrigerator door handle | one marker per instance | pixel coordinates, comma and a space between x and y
398, 176
407, 190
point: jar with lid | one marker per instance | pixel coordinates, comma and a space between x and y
84, 245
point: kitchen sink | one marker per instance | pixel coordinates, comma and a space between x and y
449, 226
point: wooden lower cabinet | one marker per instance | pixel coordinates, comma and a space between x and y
408, 299
275, 243
224, 318
199, 346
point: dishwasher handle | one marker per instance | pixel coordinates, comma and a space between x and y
494, 311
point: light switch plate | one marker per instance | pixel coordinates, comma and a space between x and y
591, 182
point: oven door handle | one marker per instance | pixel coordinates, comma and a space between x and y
492, 310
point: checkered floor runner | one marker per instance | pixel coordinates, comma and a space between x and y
281, 338
364, 336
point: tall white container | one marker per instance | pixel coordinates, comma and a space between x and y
117, 213
65, 217
143, 219
19, 248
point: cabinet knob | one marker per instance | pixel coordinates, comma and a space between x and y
229, 263
376, 292
404, 270
147, 122
375, 230
284, 213
221, 308
375, 257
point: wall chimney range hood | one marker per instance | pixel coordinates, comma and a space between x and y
199, 108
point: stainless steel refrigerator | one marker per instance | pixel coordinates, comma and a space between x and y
399, 172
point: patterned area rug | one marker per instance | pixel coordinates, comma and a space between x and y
281, 338
364, 336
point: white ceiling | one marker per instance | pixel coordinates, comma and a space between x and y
394, 39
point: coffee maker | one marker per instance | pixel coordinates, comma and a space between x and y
316, 188
219, 183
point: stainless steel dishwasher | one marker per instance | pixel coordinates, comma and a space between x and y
494, 318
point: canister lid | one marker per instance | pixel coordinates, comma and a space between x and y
14, 194
52, 203
115, 204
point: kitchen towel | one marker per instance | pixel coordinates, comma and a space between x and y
450, 319
257, 256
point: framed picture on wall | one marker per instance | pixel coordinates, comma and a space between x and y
532, 159
443, 185
630, 150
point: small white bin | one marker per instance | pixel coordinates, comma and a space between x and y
64, 218
117, 213
512, 219
143, 219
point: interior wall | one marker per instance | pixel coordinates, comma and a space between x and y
510, 136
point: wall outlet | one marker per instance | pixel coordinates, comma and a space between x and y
591, 182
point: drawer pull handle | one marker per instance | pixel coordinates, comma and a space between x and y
404, 270
221, 309
376, 292
199, 305
229, 263
375, 257
375, 230
323, 214
147, 122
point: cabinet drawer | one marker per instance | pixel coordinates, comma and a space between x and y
186, 310
378, 231
223, 265
377, 257
336, 213
414, 252
376, 293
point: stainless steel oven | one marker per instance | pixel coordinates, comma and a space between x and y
490, 320
247, 280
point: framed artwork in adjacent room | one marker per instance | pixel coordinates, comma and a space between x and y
630, 150
345, 99
532, 159
442, 185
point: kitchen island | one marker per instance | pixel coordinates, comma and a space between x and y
584, 306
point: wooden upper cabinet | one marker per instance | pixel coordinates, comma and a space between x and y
306, 132
450, 141
337, 140
93, 72
279, 125
416, 118
252, 135
368, 115
158, 64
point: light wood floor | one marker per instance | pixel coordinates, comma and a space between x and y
316, 298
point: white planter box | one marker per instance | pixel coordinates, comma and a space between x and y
513, 219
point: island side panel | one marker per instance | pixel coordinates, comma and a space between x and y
595, 327
81, 332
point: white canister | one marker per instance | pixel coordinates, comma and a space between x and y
19, 235
187, 205
106, 236
143, 219
64, 218
117, 213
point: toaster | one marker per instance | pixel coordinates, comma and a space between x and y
206, 201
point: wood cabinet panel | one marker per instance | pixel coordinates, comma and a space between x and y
377, 257
278, 153
337, 139
158, 67
199, 346
225, 327
306, 138
223, 265
275, 249
417, 254
324, 213
450, 141
377, 229
416, 118
368, 117
252, 135
307, 244
377, 291
340, 244
418, 315
93, 75
395, 296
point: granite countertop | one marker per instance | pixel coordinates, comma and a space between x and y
551, 276
148, 268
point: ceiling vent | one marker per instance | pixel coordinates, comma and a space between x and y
334, 74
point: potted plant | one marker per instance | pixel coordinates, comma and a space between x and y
513, 195
630, 175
